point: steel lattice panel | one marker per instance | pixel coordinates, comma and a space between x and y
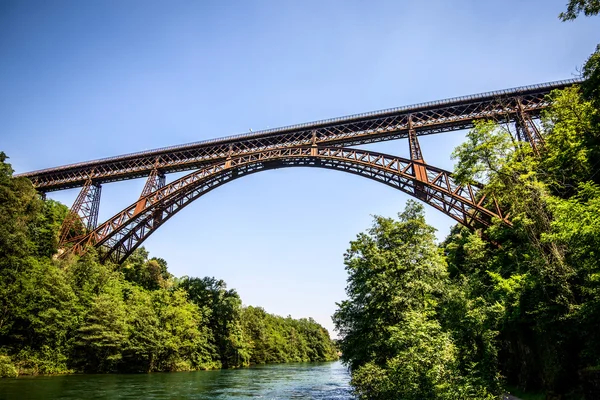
428, 118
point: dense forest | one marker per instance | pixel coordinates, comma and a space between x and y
504, 306
81, 315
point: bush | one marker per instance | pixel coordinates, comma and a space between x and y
7, 368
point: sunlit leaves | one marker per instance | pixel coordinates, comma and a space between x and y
575, 7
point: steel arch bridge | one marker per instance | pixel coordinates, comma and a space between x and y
322, 144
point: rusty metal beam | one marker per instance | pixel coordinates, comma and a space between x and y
125, 231
413, 142
527, 130
416, 155
83, 215
155, 180
427, 118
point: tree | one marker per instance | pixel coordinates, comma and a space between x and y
222, 309
20, 208
151, 273
536, 284
391, 335
101, 338
393, 268
568, 127
575, 7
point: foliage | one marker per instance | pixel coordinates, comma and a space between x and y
541, 271
150, 273
392, 336
78, 314
591, 74
222, 310
567, 126
483, 153
507, 305
575, 7
7, 369
274, 339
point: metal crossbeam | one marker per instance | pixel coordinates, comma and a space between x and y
124, 232
427, 118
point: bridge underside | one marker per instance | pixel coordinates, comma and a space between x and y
123, 233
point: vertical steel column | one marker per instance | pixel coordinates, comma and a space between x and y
91, 208
419, 169
228, 159
313, 147
413, 142
84, 213
155, 181
527, 131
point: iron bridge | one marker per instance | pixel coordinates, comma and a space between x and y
322, 144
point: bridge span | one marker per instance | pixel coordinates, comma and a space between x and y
394, 123
323, 144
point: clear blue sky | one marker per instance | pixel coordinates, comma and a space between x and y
83, 80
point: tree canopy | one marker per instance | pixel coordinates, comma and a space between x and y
79, 314
501, 306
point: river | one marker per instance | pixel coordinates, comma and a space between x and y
277, 381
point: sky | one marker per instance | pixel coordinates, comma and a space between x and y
82, 80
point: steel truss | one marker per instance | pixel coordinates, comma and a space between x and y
527, 130
512, 105
125, 231
155, 181
84, 211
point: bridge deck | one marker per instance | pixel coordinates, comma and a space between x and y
425, 118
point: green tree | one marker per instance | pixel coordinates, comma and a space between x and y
101, 338
184, 341
150, 273
393, 268
222, 310
576, 226
568, 126
534, 281
390, 331
575, 7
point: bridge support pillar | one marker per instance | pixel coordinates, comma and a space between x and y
155, 181
527, 131
313, 148
228, 159
419, 169
83, 215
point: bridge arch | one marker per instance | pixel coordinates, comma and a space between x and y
125, 231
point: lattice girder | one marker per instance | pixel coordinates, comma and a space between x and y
84, 213
122, 233
428, 118
155, 181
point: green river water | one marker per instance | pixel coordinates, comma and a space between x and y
280, 381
